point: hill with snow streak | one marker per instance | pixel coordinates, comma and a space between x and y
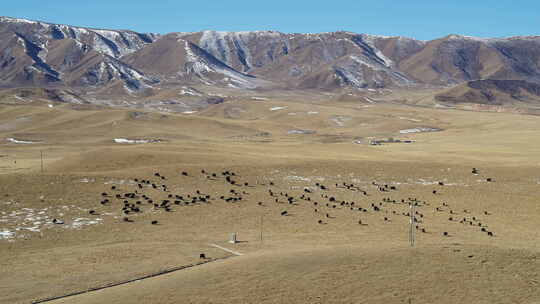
40, 54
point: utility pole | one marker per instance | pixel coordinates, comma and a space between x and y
41, 153
262, 216
411, 221
411, 234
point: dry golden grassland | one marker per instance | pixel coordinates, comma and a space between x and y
298, 260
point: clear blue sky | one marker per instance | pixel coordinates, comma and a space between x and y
421, 19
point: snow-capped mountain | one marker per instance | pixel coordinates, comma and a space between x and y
41, 54
110, 42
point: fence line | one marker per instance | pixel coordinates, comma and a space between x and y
162, 272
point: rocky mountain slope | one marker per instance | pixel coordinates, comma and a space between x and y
39, 54
493, 92
176, 59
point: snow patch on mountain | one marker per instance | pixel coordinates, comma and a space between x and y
361, 71
73, 32
236, 49
201, 66
215, 43
370, 40
111, 69
361, 61
197, 65
244, 54
38, 55
110, 42
102, 45
17, 20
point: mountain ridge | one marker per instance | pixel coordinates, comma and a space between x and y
128, 63
13, 19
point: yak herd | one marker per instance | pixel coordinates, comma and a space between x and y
322, 199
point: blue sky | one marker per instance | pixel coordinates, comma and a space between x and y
421, 19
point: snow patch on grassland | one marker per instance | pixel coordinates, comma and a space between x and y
340, 120
81, 222
135, 141
6, 234
18, 141
24, 220
409, 119
297, 178
419, 130
189, 91
299, 131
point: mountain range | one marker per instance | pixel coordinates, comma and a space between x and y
126, 63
